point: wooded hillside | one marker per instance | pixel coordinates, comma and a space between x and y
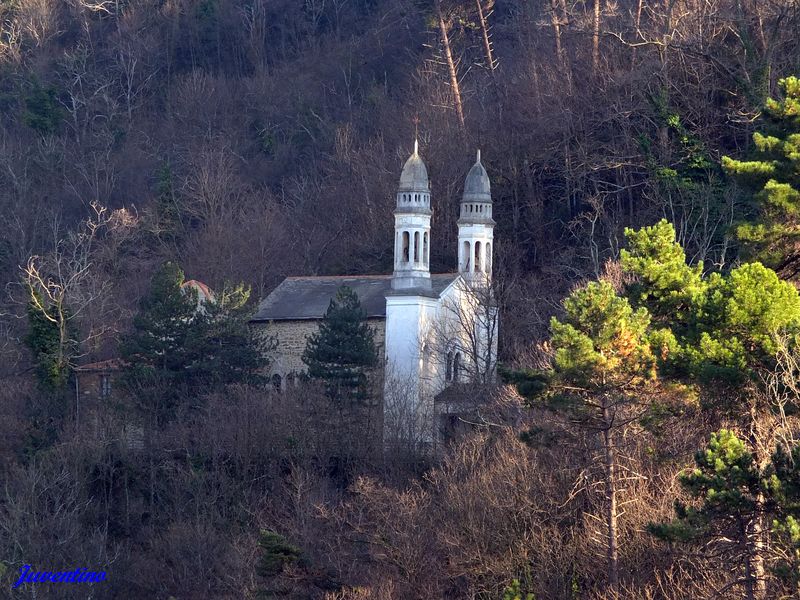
147, 142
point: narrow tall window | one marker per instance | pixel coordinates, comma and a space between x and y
416, 246
488, 257
456, 366
448, 369
465, 257
477, 257
405, 246
425, 248
105, 386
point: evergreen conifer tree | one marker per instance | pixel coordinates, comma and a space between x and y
721, 328
163, 326
181, 345
774, 177
603, 381
730, 508
718, 327
225, 349
343, 351
664, 284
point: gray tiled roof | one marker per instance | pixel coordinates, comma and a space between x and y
309, 297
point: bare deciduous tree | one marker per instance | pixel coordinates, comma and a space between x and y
467, 326
64, 287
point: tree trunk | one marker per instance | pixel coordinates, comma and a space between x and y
487, 44
756, 547
451, 66
755, 533
638, 27
611, 505
596, 38
556, 22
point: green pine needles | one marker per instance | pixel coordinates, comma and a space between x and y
342, 352
183, 346
773, 178
718, 326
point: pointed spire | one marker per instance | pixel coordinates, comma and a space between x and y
478, 159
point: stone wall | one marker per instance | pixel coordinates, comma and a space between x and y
291, 338
94, 387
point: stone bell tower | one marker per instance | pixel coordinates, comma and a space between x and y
412, 227
476, 226
411, 304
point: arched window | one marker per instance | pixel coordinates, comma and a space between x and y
276, 382
416, 246
425, 248
406, 243
456, 366
488, 257
465, 253
448, 369
477, 257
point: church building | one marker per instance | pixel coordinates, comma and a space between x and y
435, 333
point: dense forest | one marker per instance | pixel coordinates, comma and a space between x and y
640, 441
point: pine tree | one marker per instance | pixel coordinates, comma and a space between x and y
603, 381
514, 591
343, 351
181, 346
774, 177
664, 283
737, 322
730, 508
163, 326
784, 487
226, 349
718, 327
167, 213
276, 553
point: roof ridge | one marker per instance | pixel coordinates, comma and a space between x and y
385, 276
339, 276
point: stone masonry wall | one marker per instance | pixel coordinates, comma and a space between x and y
292, 335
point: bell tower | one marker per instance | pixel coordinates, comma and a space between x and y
476, 226
411, 303
412, 227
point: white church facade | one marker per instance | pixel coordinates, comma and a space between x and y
435, 332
